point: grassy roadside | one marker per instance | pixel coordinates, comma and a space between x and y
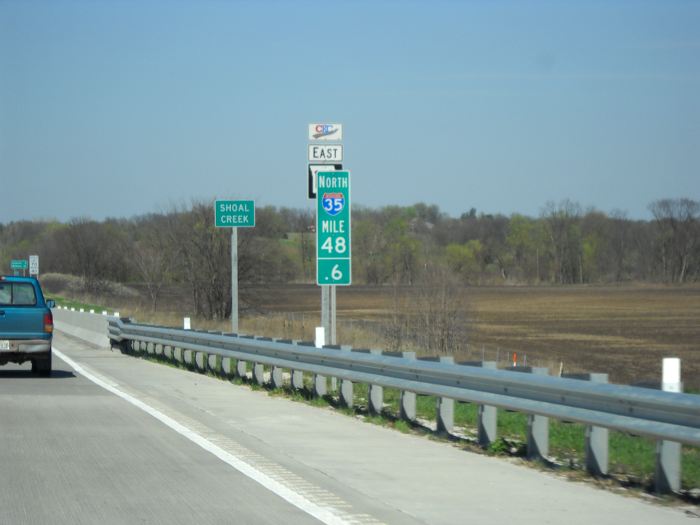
632, 458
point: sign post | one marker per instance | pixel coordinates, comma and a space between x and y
234, 215
333, 240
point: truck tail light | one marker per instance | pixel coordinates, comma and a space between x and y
48, 322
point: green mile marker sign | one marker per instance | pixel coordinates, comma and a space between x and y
239, 214
333, 260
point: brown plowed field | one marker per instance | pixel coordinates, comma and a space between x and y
622, 330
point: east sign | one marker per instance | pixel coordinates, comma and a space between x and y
325, 152
333, 259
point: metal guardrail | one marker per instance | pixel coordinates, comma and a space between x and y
670, 418
639, 411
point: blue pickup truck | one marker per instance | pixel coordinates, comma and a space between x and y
26, 323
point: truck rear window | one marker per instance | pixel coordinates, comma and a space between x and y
17, 294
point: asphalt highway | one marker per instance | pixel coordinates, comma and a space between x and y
109, 438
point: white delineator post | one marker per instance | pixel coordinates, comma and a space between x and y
671, 375
320, 339
186, 323
668, 453
320, 384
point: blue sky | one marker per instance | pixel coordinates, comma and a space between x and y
118, 108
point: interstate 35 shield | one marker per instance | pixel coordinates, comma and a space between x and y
333, 203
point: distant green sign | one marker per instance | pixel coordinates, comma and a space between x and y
19, 264
333, 261
238, 214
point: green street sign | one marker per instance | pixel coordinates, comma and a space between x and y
18, 264
238, 214
333, 259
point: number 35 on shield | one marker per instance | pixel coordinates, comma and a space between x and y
333, 203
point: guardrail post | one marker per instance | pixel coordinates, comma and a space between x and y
200, 361
445, 409
597, 438
667, 477
187, 357
277, 377
168, 352
298, 375
241, 369
178, 354
258, 368
320, 385
537, 426
258, 373
346, 387
242, 366
376, 394
226, 363
213, 363
408, 399
487, 416
297, 379
211, 360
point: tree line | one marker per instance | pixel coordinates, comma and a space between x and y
398, 245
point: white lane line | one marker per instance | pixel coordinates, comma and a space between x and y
323, 514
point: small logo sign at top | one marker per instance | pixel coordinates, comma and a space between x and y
325, 131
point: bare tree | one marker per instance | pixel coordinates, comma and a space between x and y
96, 252
441, 319
202, 257
678, 239
619, 241
432, 315
565, 235
153, 258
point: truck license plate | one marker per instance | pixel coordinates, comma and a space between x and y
4, 344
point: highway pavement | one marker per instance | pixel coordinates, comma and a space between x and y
110, 438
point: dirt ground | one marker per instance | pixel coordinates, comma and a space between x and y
622, 330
